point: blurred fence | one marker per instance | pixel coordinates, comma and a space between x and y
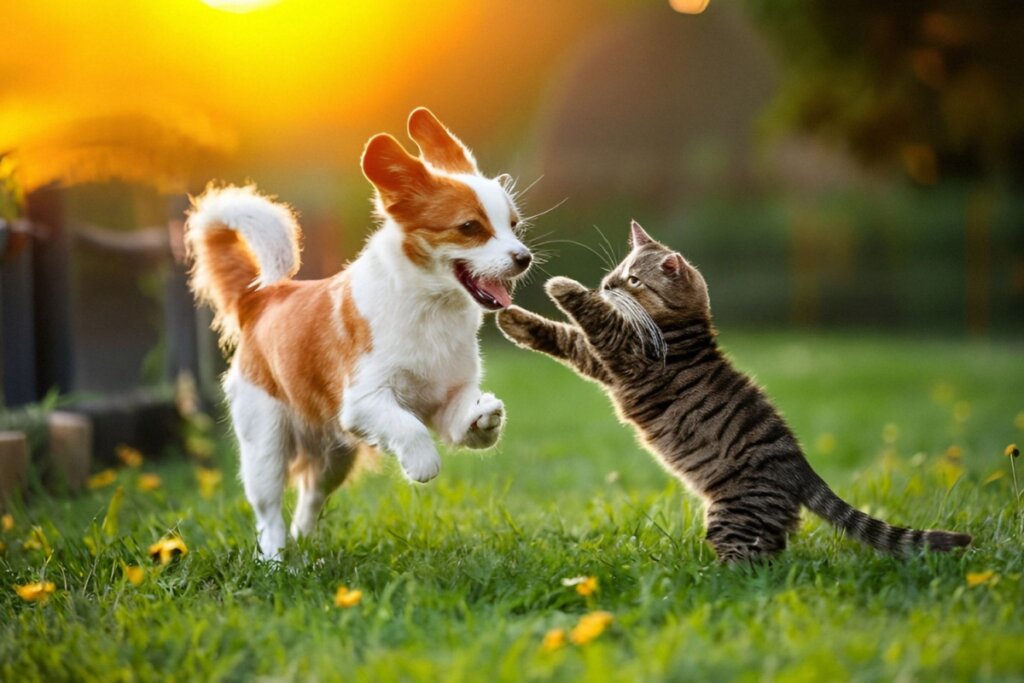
99, 322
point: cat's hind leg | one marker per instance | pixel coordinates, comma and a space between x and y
743, 533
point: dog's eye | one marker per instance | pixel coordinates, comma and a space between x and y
470, 227
634, 281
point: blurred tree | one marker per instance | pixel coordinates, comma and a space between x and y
936, 86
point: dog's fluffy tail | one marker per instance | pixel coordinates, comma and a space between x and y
239, 240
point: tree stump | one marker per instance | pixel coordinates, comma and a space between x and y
70, 449
13, 465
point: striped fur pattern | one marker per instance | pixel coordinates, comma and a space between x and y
707, 422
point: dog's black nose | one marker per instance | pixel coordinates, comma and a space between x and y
522, 259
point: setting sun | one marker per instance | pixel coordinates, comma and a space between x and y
238, 6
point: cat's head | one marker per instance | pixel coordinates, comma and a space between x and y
663, 283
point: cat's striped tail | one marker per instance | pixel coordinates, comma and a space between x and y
822, 501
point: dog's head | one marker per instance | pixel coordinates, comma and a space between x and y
453, 218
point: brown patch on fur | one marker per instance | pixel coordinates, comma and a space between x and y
429, 207
223, 270
435, 219
300, 341
437, 145
393, 171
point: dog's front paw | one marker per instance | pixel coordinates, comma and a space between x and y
421, 466
560, 287
485, 424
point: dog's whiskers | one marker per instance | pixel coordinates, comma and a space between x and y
543, 213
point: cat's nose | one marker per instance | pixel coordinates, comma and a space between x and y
522, 259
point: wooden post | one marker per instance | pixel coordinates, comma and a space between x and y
13, 465
17, 329
70, 449
51, 288
180, 331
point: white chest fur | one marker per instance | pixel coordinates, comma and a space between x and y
423, 327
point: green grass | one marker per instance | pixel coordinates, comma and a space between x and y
462, 578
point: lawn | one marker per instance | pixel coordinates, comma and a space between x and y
461, 579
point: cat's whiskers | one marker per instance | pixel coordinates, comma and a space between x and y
640, 320
613, 257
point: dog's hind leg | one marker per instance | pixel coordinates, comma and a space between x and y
316, 478
265, 443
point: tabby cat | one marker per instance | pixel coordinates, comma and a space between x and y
647, 337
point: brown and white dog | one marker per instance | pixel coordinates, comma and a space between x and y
377, 354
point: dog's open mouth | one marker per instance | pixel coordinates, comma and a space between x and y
491, 294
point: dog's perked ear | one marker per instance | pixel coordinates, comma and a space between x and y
392, 170
437, 145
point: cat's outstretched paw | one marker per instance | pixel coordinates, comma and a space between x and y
485, 424
517, 324
558, 288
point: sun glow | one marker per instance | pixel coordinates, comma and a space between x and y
146, 91
127, 88
689, 6
238, 6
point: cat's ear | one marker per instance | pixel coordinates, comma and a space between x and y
437, 145
637, 236
672, 265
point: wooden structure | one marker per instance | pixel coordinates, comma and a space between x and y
102, 318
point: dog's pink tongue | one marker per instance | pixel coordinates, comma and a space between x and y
497, 290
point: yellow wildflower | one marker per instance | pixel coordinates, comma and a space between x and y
131, 457
981, 578
7, 521
150, 482
347, 598
553, 639
168, 548
590, 626
949, 471
209, 481
101, 479
35, 592
37, 541
133, 573
954, 452
1011, 451
585, 585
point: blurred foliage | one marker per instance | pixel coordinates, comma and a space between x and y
12, 199
890, 257
935, 86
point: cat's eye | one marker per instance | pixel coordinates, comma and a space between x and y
470, 227
634, 281
515, 222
